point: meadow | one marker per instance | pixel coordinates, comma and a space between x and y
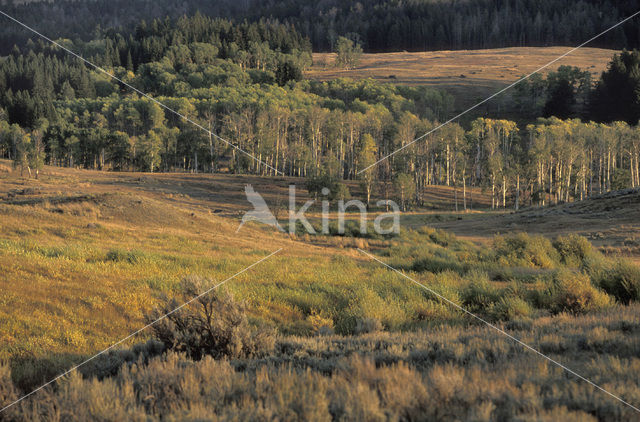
318, 331
469, 75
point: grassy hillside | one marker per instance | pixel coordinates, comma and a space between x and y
85, 255
610, 221
469, 75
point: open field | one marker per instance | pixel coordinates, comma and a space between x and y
85, 255
469, 75
610, 221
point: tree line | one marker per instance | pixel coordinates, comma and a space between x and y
379, 25
57, 111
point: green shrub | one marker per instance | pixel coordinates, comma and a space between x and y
371, 303
439, 237
120, 255
510, 308
575, 251
622, 282
525, 251
109, 364
214, 324
480, 295
320, 323
435, 264
573, 292
29, 372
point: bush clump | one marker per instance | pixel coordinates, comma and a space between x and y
8, 393
480, 295
574, 292
214, 324
575, 251
622, 282
435, 264
320, 323
119, 255
510, 308
524, 250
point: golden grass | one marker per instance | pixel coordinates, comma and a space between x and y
470, 75
84, 254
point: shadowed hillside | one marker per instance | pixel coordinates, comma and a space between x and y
610, 220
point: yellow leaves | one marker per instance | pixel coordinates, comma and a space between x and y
319, 321
73, 337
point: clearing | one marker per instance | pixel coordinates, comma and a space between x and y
469, 75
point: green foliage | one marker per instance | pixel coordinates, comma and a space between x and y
574, 292
316, 184
622, 282
576, 251
439, 237
405, 188
616, 96
366, 158
438, 264
525, 250
320, 323
126, 256
348, 53
568, 89
287, 71
510, 308
380, 24
243, 81
480, 294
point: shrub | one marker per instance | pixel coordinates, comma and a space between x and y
479, 295
110, 363
439, 237
320, 323
214, 324
29, 372
437, 265
574, 250
573, 292
622, 282
525, 251
510, 308
119, 255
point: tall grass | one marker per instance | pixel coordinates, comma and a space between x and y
71, 287
442, 374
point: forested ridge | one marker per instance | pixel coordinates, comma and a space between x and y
244, 83
379, 25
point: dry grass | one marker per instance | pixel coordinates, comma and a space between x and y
84, 255
609, 221
470, 75
443, 374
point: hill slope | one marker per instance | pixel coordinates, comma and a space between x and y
469, 75
609, 220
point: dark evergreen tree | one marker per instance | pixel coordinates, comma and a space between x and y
617, 95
